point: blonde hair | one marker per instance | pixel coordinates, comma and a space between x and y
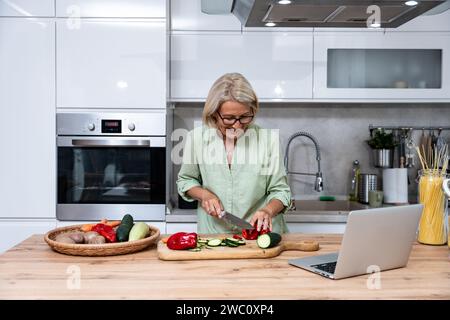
229, 87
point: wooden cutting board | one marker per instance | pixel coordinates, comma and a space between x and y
248, 251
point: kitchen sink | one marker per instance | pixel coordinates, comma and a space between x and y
327, 207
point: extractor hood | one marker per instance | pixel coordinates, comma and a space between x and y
318, 13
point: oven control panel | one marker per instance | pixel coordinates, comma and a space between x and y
111, 126
105, 123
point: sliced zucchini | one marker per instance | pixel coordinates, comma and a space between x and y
232, 245
214, 242
232, 241
268, 240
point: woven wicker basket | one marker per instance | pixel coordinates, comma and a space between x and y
92, 250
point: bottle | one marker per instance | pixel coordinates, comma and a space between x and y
356, 171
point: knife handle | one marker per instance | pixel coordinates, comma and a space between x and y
304, 245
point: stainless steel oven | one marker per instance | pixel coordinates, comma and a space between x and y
110, 164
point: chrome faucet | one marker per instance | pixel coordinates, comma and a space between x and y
318, 185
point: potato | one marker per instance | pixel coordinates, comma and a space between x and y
78, 237
64, 238
88, 236
97, 240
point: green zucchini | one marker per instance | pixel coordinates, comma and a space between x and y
123, 231
232, 241
232, 245
214, 242
268, 240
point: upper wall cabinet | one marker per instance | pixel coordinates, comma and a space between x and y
111, 63
436, 22
391, 66
277, 64
27, 8
111, 9
188, 15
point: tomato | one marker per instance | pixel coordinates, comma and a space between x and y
236, 236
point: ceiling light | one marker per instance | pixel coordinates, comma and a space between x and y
411, 3
270, 24
284, 2
122, 84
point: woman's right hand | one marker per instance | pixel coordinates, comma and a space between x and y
211, 203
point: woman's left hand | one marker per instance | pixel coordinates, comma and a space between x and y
263, 220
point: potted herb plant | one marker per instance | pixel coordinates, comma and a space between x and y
382, 145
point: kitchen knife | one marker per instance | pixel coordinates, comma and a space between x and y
232, 219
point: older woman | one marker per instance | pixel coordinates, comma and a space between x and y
232, 164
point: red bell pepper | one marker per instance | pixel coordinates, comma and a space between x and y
252, 234
106, 231
182, 241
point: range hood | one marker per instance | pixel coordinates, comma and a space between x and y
318, 13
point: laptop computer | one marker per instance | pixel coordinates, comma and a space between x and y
374, 240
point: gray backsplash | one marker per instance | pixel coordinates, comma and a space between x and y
341, 130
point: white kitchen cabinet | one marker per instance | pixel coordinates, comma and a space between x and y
277, 64
188, 15
111, 64
316, 227
394, 66
13, 232
180, 227
27, 110
111, 9
436, 22
27, 8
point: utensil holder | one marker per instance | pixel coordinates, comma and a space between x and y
366, 183
383, 158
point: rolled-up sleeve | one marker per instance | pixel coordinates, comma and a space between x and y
277, 185
189, 175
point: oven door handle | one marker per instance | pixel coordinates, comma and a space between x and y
110, 143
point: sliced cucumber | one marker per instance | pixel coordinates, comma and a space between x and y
195, 249
214, 242
232, 245
232, 241
241, 242
268, 240
202, 240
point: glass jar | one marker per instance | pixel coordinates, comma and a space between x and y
445, 186
433, 222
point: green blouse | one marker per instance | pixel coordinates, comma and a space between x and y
256, 175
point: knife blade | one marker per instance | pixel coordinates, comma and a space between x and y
232, 219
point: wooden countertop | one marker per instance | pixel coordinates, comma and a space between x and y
31, 270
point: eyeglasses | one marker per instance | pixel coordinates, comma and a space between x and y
232, 120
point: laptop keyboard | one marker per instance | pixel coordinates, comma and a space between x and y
327, 267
